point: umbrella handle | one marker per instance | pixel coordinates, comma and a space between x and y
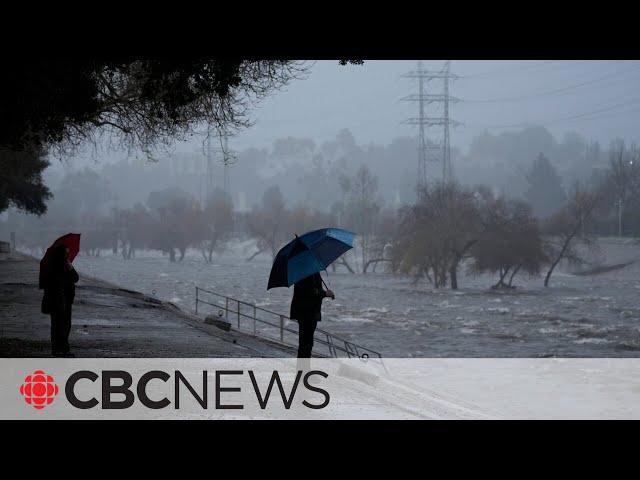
325, 285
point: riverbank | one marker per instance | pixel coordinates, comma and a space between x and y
110, 321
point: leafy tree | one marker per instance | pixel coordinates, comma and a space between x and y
545, 193
21, 184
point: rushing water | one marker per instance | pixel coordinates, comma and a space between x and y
578, 316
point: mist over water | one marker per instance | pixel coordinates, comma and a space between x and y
577, 316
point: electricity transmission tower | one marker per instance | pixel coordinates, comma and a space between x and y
227, 157
430, 150
226, 153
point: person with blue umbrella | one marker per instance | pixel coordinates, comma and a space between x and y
299, 263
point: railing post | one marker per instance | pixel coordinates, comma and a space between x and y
282, 328
332, 350
349, 348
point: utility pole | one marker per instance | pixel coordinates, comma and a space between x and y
620, 217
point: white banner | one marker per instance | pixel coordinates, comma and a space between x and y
250, 388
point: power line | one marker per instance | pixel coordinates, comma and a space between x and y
595, 112
564, 118
599, 117
502, 71
539, 68
555, 91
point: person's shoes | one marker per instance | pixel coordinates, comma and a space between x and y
58, 354
68, 355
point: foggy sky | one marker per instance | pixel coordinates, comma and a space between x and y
597, 99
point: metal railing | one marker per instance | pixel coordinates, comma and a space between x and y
275, 326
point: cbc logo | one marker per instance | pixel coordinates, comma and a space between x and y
39, 389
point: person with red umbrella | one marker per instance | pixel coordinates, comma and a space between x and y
58, 279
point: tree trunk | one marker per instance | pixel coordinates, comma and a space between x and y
453, 273
502, 275
426, 274
553, 266
211, 245
557, 260
458, 256
440, 276
442, 270
513, 274
355, 260
343, 261
436, 276
364, 254
620, 218
203, 251
375, 262
254, 255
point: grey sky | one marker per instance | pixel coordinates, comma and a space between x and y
598, 99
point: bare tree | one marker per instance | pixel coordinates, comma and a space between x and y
177, 222
382, 242
361, 208
132, 228
95, 237
269, 222
563, 232
217, 221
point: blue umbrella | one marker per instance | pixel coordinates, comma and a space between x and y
308, 254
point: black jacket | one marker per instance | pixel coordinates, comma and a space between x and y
60, 288
307, 299
70, 280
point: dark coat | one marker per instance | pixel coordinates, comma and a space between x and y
60, 289
307, 299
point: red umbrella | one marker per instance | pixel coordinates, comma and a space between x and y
71, 241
